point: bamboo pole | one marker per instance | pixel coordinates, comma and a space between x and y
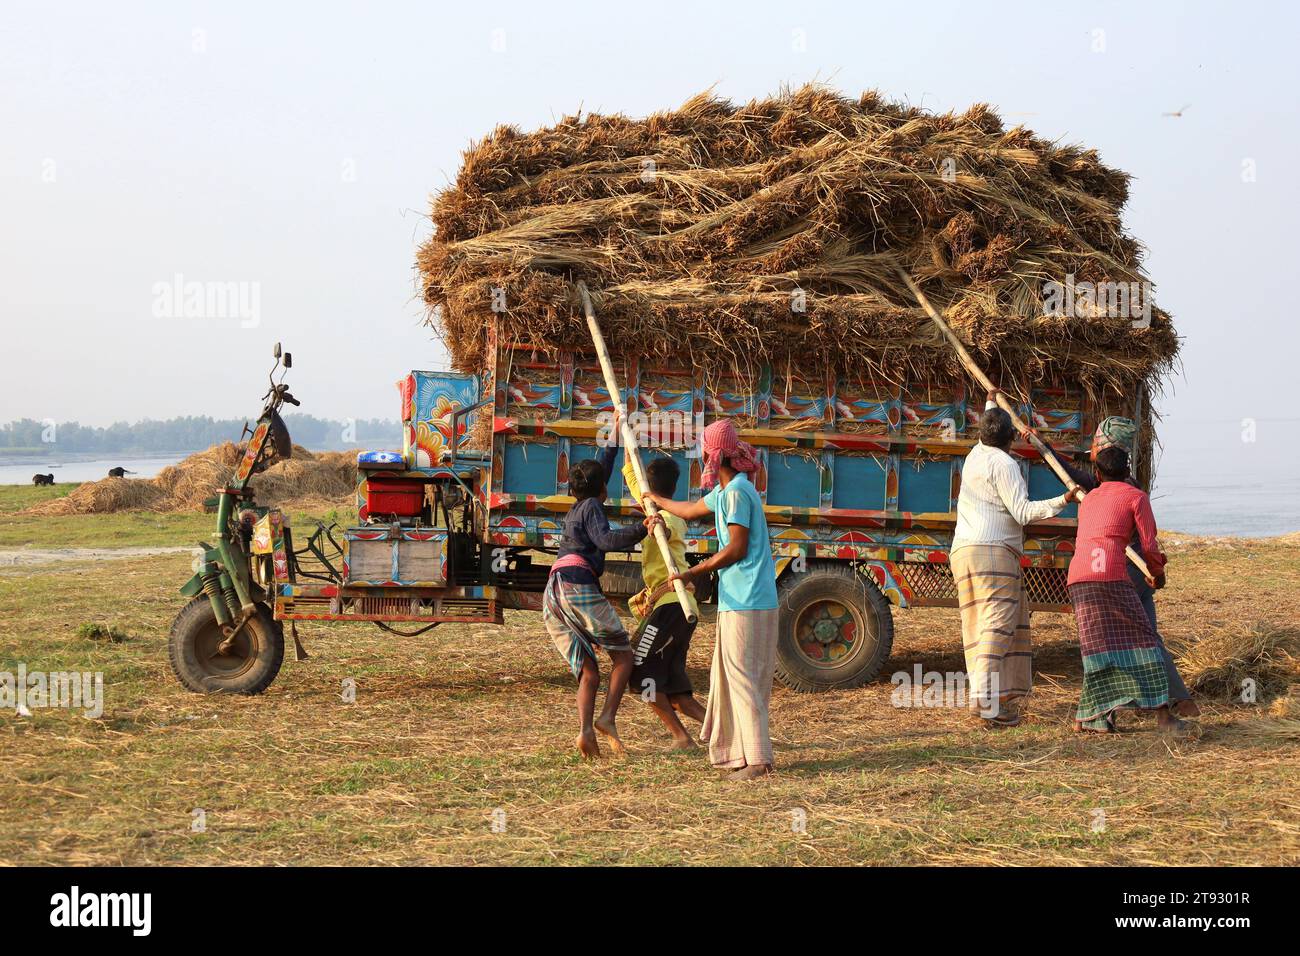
1006, 405
630, 448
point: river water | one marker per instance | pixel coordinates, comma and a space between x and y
78, 471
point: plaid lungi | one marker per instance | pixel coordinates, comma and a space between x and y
740, 688
578, 616
994, 625
1122, 663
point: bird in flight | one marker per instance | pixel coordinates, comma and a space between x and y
1177, 112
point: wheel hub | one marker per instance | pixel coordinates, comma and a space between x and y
222, 658
826, 631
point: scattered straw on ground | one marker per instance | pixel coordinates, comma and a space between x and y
458, 749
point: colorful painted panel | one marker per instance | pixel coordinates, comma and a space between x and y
870, 407
1055, 410
662, 392
535, 391
383, 556
435, 396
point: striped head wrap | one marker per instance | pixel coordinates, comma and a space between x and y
721, 441
1115, 431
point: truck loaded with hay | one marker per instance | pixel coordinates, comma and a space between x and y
756, 263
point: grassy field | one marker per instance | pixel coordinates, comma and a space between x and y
118, 530
457, 748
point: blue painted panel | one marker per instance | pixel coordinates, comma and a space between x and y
579, 451
1043, 483
793, 481
529, 469
859, 483
924, 485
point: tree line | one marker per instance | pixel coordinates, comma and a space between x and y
191, 433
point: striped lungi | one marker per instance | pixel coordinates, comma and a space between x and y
1122, 661
994, 625
579, 617
740, 688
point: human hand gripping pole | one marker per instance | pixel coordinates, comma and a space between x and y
630, 449
1049, 456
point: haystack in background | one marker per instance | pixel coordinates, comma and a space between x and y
697, 228
327, 477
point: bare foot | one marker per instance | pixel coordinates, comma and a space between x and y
587, 745
1174, 727
609, 729
1079, 728
1187, 708
753, 771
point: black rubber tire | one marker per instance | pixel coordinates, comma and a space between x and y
833, 581
192, 637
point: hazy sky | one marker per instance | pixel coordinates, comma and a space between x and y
293, 148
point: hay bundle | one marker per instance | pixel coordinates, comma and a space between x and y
1219, 660
306, 478
704, 231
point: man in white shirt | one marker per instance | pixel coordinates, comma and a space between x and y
992, 510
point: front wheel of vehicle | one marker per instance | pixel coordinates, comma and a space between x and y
248, 666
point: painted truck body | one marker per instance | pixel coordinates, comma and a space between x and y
860, 486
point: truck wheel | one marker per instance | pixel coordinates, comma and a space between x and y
249, 666
836, 629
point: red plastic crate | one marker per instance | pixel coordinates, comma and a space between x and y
402, 497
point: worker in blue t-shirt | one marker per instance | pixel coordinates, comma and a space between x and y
744, 656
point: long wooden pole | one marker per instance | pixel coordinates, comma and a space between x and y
630, 447
1006, 405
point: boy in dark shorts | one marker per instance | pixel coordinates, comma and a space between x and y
660, 644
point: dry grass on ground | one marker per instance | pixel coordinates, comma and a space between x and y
453, 726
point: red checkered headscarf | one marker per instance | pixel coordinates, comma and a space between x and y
721, 441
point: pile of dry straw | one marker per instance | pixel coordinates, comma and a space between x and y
327, 477
697, 229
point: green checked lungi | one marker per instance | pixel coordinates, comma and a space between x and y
1122, 663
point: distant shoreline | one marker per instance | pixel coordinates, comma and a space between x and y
24, 456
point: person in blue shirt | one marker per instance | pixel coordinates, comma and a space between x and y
744, 655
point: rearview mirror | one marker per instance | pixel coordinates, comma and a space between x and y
276, 353
288, 360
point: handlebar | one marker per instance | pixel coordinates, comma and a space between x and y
277, 395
